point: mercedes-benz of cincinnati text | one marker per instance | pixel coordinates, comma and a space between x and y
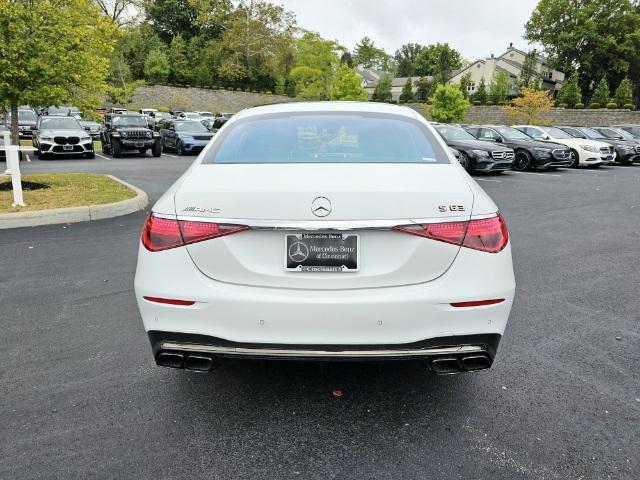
475, 155
330, 230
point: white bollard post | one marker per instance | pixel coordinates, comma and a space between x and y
13, 164
7, 142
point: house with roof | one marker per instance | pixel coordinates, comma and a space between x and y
370, 77
511, 62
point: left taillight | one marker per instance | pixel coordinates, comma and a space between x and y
163, 233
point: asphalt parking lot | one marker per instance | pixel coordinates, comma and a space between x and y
82, 398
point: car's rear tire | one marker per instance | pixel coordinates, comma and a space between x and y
117, 149
157, 149
522, 161
575, 158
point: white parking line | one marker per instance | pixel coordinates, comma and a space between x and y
535, 173
102, 156
488, 180
168, 155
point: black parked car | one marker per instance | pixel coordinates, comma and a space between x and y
629, 128
27, 119
474, 154
627, 151
529, 153
92, 127
129, 132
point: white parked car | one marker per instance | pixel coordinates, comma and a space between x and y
189, 116
325, 230
583, 151
206, 114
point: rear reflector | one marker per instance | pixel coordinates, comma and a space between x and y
477, 303
169, 301
163, 233
487, 234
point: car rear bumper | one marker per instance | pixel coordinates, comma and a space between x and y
388, 316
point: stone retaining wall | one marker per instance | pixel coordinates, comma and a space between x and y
166, 97
557, 116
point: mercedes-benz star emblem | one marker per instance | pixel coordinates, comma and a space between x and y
321, 206
298, 252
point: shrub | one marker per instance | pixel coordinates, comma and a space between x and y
489, 102
594, 105
449, 104
563, 105
579, 105
530, 107
476, 102
628, 106
612, 105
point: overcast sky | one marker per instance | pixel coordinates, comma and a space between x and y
475, 28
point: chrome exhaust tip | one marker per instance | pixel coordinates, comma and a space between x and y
200, 363
170, 359
445, 365
472, 363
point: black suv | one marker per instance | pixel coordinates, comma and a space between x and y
475, 155
128, 132
530, 153
627, 151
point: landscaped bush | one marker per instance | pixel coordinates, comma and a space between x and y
628, 106
489, 102
476, 102
612, 105
563, 105
594, 105
579, 105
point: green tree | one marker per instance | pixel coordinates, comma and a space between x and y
624, 94
407, 92
406, 57
594, 37
424, 88
601, 94
368, 55
382, 92
134, 44
172, 17
316, 63
439, 61
570, 92
465, 83
180, 70
528, 73
156, 67
52, 51
251, 47
481, 94
499, 88
449, 105
346, 85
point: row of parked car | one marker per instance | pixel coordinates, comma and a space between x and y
57, 131
494, 148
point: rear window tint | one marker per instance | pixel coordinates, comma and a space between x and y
326, 138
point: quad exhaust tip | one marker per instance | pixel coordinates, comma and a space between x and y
195, 362
450, 365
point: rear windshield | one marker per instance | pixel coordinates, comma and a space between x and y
327, 138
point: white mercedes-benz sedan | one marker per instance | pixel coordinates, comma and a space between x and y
329, 230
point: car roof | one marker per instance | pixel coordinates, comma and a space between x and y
309, 107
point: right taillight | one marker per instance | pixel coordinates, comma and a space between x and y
487, 234
163, 233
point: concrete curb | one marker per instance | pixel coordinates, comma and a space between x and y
77, 214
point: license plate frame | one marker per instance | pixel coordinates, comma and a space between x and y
303, 252
138, 144
67, 148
